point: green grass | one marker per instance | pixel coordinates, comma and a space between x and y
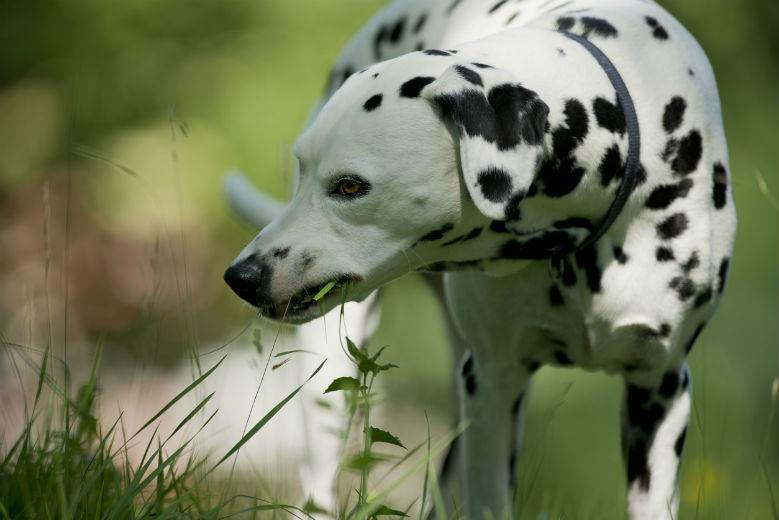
65, 465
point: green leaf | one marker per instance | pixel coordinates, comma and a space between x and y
323, 404
295, 351
361, 461
368, 365
343, 383
384, 510
354, 351
312, 508
378, 435
256, 341
324, 290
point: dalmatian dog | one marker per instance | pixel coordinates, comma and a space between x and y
564, 164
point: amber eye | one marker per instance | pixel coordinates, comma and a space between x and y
350, 187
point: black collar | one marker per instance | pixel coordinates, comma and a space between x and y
630, 178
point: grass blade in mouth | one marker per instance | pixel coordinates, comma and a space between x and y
324, 290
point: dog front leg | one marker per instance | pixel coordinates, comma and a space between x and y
654, 427
490, 400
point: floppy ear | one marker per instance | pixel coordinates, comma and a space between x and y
501, 128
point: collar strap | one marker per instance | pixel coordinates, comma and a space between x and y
630, 178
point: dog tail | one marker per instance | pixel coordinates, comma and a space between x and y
254, 206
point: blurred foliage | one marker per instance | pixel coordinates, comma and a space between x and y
118, 119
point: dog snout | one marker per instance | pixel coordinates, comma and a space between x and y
247, 278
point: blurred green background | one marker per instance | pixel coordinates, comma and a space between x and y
118, 120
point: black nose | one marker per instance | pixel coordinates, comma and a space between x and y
247, 279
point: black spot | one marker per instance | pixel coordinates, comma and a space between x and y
532, 191
637, 397
574, 222
348, 71
684, 154
497, 6
512, 467
684, 287
691, 72
414, 86
669, 385
565, 23
397, 30
499, 226
378, 40
673, 226
519, 111
532, 366
662, 196
507, 117
512, 18
562, 358
576, 118
495, 184
587, 259
679, 444
723, 274
720, 189
694, 337
609, 115
375, 75
475, 232
467, 367
637, 463
280, 253
436, 52
437, 234
649, 334
598, 26
611, 166
420, 46
561, 52
420, 23
546, 245
372, 103
482, 65
640, 175
663, 254
704, 296
560, 176
511, 211
452, 6
469, 75
619, 255
567, 273
555, 298
691, 262
566, 138
658, 31
451, 266
448, 465
517, 404
674, 114
470, 384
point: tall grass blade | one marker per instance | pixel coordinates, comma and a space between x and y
262, 422
181, 394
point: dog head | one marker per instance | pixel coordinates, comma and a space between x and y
394, 161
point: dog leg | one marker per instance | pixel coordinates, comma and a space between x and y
654, 426
489, 401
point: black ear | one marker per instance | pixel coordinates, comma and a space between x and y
501, 126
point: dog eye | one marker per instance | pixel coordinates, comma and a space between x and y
350, 187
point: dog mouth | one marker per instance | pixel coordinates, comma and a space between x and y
307, 302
